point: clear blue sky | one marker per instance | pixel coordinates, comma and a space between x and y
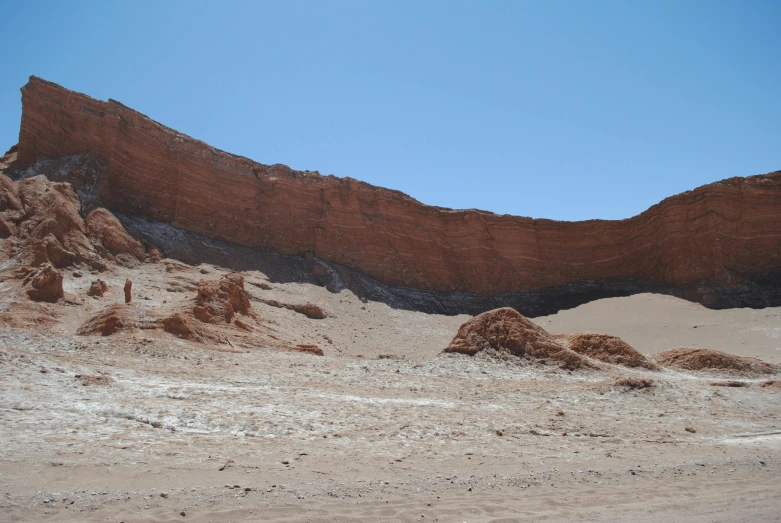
557, 109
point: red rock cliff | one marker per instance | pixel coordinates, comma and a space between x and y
717, 232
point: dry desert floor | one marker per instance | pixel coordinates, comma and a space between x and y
383, 427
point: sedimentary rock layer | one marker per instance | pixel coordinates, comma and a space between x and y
708, 240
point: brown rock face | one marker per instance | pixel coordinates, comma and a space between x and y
310, 310
128, 291
6, 229
43, 224
106, 231
219, 300
507, 330
603, 347
723, 232
97, 288
44, 283
181, 326
41, 228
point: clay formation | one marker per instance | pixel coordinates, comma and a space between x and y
507, 330
128, 291
603, 347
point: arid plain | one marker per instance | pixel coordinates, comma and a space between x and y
384, 426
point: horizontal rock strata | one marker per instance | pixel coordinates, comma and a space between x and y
711, 241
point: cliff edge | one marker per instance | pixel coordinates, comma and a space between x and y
719, 244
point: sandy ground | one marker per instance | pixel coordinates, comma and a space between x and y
241, 432
653, 322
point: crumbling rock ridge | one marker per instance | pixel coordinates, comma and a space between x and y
506, 330
719, 244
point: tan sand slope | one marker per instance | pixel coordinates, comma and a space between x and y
652, 323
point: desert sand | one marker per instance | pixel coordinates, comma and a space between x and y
383, 427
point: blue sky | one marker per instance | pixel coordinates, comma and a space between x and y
559, 109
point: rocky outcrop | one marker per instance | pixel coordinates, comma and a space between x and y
113, 319
310, 310
695, 359
506, 330
180, 326
604, 347
42, 230
43, 224
219, 300
97, 288
719, 244
110, 237
128, 288
43, 283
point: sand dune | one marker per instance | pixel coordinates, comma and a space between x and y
652, 323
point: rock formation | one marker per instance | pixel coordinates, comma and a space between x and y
180, 326
604, 347
507, 330
113, 319
719, 244
111, 238
42, 230
97, 288
41, 224
128, 291
310, 310
43, 283
694, 359
219, 300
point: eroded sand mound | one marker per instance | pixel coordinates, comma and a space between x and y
28, 314
604, 347
43, 283
694, 359
116, 318
507, 330
97, 288
182, 327
219, 300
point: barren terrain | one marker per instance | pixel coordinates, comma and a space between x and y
383, 427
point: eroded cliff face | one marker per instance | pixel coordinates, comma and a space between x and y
706, 241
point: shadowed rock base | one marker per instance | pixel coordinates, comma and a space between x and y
756, 291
